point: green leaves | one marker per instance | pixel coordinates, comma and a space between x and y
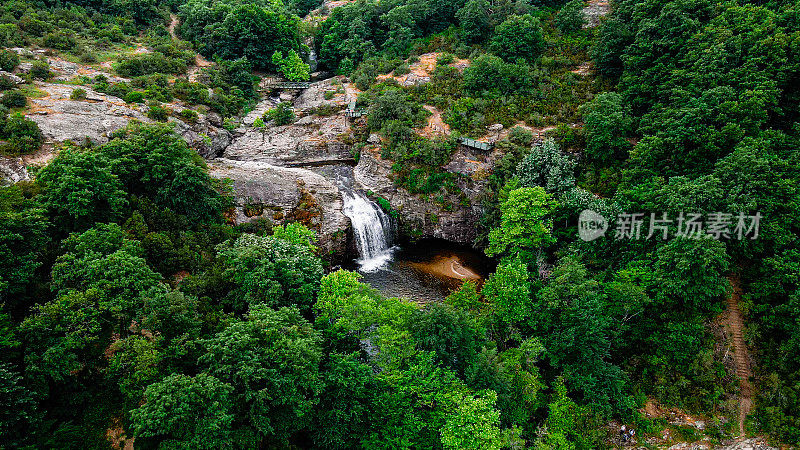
233, 29
186, 412
525, 225
518, 37
271, 358
79, 188
292, 67
270, 271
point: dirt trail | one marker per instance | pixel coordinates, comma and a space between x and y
199, 61
436, 125
173, 22
741, 357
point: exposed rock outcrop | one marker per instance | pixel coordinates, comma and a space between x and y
312, 140
419, 218
278, 193
95, 118
12, 170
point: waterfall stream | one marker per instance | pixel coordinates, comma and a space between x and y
373, 230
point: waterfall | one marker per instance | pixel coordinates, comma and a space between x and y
373, 230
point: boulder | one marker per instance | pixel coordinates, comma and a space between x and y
282, 194
62, 119
12, 170
310, 141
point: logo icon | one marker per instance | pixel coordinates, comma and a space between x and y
591, 225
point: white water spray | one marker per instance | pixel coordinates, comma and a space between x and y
373, 230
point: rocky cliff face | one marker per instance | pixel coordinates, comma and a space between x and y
420, 218
287, 193
99, 115
291, 172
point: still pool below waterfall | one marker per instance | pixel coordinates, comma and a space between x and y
424, 271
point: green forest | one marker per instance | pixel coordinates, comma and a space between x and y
136, 311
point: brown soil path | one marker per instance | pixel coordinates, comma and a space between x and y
740, 353
199, 61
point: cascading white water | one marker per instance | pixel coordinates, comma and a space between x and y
373, 230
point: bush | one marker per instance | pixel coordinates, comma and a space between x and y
134, 97
401, 70
6, 83
8, 60
41, 70
157, 112
60, 40
571, 18
283, 114
77, 94
150, 63
21, 135
445, 59
14, 99
189, 115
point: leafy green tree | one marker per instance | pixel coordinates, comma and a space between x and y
453, 335
490, 77
22, 237
613, 37
509, 290
569, 425
525, 225
182, 411
608, 122
297, 234
575, 328
342, 417
153, 161
233, 29
474, 20
547, 167
394, 105
518, 37
465, 298
271, 358
79, 188
270, 271
18, 409
571, 18
292, 66
514, 376
475, 424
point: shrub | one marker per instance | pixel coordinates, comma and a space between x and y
21, 135
571, 17
150, 63
445, 59
229, 123
283, 114
8, 60
134, 97
41, 70
77, 94
14, 99
401, 70
6, 83
189, 115
60, 40
157, 112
